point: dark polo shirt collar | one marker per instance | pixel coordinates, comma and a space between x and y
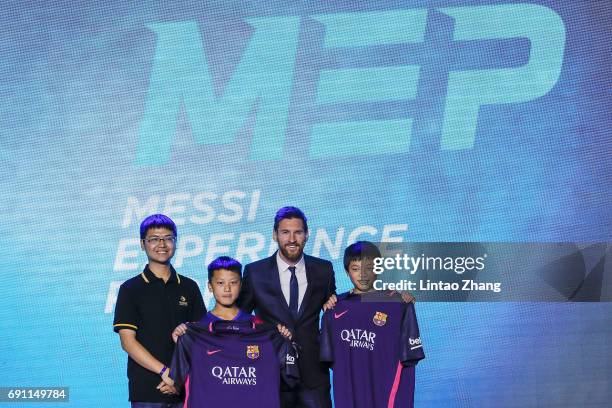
149, 276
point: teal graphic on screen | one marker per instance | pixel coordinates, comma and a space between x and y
264, 77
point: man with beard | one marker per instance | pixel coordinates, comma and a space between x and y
290, 288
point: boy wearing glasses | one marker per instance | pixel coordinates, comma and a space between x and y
149, 306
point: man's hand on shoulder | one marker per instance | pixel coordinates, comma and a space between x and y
331, 303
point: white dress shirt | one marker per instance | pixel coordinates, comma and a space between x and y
285, 277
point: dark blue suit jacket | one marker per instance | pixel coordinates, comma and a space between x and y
261, 291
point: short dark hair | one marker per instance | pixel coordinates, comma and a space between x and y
289, 212
224, 262
358, 251
156, 221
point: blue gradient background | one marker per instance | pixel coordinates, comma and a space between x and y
74, 79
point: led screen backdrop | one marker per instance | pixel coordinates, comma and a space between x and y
402, 121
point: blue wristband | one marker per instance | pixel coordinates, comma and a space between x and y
163, 370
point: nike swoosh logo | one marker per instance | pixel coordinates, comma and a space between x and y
211, 352
339, 315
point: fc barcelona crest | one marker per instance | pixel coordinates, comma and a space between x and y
380, 319
253, 351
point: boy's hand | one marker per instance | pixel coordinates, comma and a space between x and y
284, 331
331, 303
406, 296
179, 331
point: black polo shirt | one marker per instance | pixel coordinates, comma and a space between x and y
153, 309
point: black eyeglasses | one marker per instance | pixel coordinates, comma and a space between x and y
157, 240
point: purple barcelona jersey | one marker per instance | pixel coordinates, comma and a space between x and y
373, 343
233, 363
210, 318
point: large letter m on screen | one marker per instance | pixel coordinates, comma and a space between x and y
181, 75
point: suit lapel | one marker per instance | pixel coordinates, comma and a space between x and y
274, 279
310, 278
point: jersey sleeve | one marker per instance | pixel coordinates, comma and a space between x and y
287, 355
411, 348
326, 339
289, 366
181, 360
126, 312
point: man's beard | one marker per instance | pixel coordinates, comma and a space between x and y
289, 257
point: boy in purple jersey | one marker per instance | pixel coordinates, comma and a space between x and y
371, 339
233, 364
224, 281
